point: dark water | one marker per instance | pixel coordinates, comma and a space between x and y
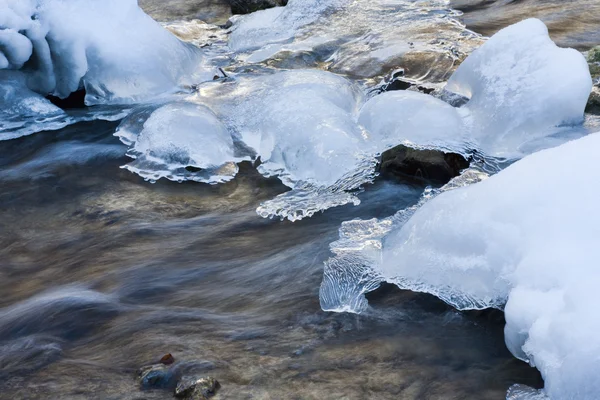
102, 272
572, 23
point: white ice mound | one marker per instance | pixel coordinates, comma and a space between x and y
305, 121
528, 235
178, 141
110, 47
521, 86
523, 90
302, 125
413, 119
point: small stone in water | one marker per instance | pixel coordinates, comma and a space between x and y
154, 376
191, 388
167, 359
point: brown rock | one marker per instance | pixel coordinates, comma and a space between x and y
421, 166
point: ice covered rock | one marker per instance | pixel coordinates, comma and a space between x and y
414, 119
521, 86
524, 239
110, 47
302, 125
178, 141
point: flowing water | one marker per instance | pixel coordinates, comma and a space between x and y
102, 272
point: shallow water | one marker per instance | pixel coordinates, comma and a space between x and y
571, 23
103, 272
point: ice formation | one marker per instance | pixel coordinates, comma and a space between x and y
522, 89
425, 121
521, 86
526, 237
110, 48
361, 38
178, 141
301, 125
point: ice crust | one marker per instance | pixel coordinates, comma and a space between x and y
359, 38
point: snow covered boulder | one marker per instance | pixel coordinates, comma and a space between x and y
109, 47
525, 239
521, 86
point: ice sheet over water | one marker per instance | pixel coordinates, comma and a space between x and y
361, 38
300, 126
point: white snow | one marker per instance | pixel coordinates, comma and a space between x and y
110, 47
521, 86
414, 119
527, 236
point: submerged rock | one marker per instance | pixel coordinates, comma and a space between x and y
423, 166
193, 388
155, 376
211, 11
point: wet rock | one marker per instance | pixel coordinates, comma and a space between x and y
155, 376
211, 11
594, 55
421, 166
250, 6
167, 359
593, 58
397, 81
593, 104
74, 100
192, 388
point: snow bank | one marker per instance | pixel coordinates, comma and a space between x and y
528, 237
110, 47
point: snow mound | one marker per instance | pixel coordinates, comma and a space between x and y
110, 47
524, 93
521, 86
178, 141
414, 119
525, 237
